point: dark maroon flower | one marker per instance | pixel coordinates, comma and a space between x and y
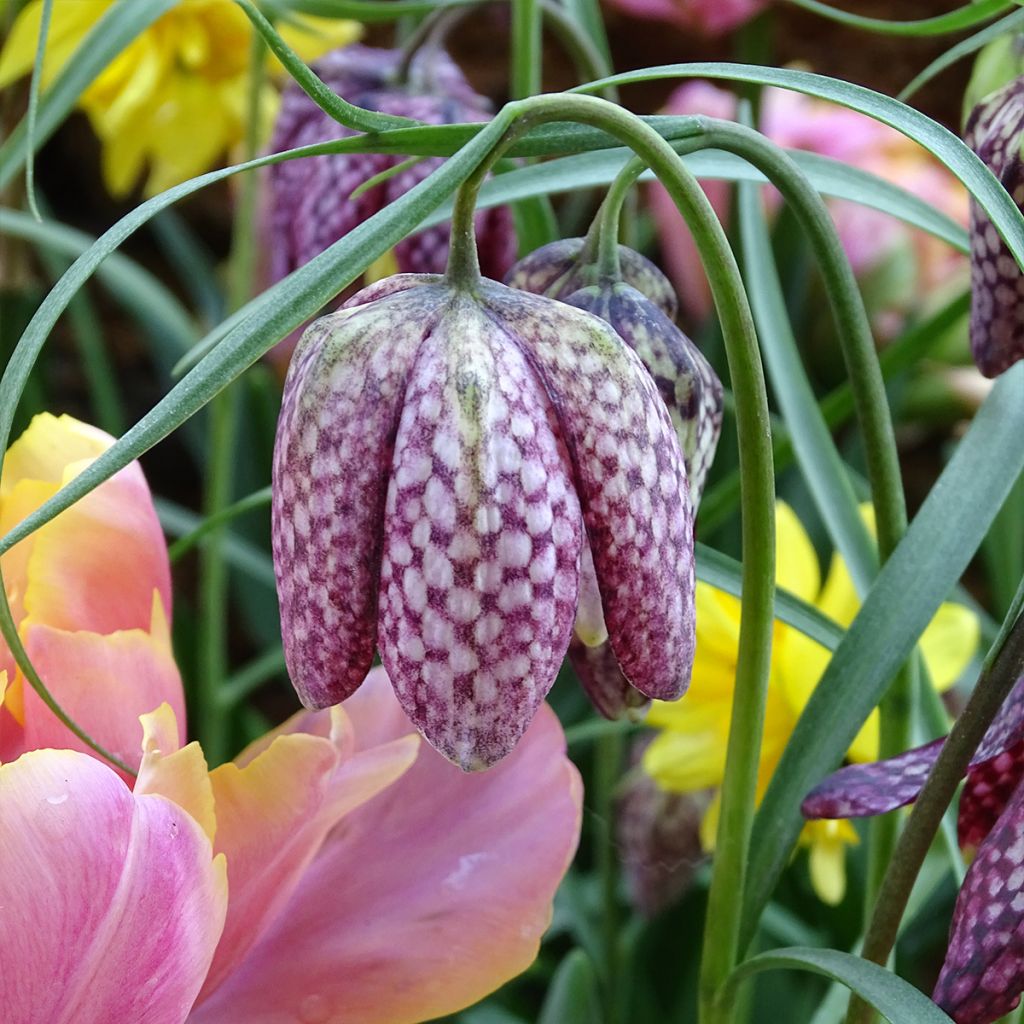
983, 974
995, 131
640, 307
658, 836
442, 456
309, 199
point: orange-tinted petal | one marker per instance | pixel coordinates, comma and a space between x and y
429, 897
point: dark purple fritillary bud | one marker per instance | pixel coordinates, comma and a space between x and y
560, 268
986, 793
439, 455
995, 131
608, 689
863, 790
310, 208
983, 974
658, 835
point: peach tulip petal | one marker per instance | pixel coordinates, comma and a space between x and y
96, 565
176, 772
47, 446
112, 903
272, 817
427, 898
104, 683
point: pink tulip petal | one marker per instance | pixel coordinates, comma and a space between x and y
104, 683
272, 816
630, 478
425, 899
482, 542
332, 461
112, 904
983, 974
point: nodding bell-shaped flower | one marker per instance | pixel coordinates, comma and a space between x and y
983, 974
310, 204
444, 455
995, 131
640, 306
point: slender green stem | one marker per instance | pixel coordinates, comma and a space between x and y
213, 720
184, 544
608, 219
248, 679
608, 768
872, 407
1003, 668
526, 48
721, 945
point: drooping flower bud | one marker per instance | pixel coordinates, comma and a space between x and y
995, 131
309, 199
640, 308
560, 268
441, 455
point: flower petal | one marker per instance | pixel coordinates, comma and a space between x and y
994, 131
272, 817
113, 904
631, 481
332, 461
396, 945
104, 683
949, 643
988, 788
983, 973
482, 542
608, 689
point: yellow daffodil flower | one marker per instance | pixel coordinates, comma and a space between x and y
689, 752
175, 98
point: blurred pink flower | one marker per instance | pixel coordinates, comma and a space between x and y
91, 597
795, 121
338, 871
709, 17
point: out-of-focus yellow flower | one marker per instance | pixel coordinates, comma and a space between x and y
175, 98
689, 752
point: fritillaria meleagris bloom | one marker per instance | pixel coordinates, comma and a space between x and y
995, 131
983, 974
309, 199
640, 307
444, 454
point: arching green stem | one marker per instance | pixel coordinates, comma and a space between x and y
721, 946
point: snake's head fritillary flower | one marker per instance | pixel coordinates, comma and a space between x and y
443, 455
995, 131
983, 974
640, 307
91, 596
560, 268
311, 204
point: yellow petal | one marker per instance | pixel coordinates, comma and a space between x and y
311, 36
797, 568
683, 763
46, 448
828, 841
839, 599
709, 824
949, 643
181, 775
865, 744
70, 21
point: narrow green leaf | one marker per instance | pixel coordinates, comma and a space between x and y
365, 10
1011, 23
939, 141
115, 29
942, 24
33, 106
326, 99
919, 575
895, 999
816, 453
573, 995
